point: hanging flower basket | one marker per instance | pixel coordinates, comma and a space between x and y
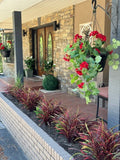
87, 57
6, 53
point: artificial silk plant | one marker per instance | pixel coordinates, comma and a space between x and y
86, 57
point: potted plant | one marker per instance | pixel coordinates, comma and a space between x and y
30, 62
6, 48
88, 56
49, 82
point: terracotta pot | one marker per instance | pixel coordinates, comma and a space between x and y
6, 53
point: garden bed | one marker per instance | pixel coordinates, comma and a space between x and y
35, 142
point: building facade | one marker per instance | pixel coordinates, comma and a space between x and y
45, 38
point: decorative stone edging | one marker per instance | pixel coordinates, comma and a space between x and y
35, 143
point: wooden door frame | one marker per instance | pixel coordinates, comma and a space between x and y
45, 46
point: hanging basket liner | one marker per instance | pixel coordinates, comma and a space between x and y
6, 53
103, 61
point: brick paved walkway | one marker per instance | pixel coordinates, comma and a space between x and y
74, 102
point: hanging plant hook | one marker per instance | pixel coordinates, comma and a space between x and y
94, 5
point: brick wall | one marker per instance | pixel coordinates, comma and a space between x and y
35, 143
8, 69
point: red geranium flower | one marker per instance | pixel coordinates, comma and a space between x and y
94, 33
81, 85
111, 52
67, 58
1, 46
101, 37
81, 45
78, 72
77, 36
97, 50
84, 65
9, 42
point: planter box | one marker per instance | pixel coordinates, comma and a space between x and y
29, 73
35, 143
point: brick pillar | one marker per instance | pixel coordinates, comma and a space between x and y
114, 76
18, 53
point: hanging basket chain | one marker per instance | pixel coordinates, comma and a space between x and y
107, 11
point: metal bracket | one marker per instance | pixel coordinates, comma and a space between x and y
110, 11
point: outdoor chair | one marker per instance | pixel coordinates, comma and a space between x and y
103, 94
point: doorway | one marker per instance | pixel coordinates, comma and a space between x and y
44, 47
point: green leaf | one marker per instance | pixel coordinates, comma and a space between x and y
78, 82
72, 81
76, 77
72, 75
91, 85
110, 63
115, 56
95, 91
98, 59
85, 88
71, 60
87, 100
117, 63
115, 67
70, 68
74, 90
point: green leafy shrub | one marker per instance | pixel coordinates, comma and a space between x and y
50, 82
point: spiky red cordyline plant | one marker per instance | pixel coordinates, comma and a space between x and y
15, 91
71, 125
30, 98
102, 144
48, 110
